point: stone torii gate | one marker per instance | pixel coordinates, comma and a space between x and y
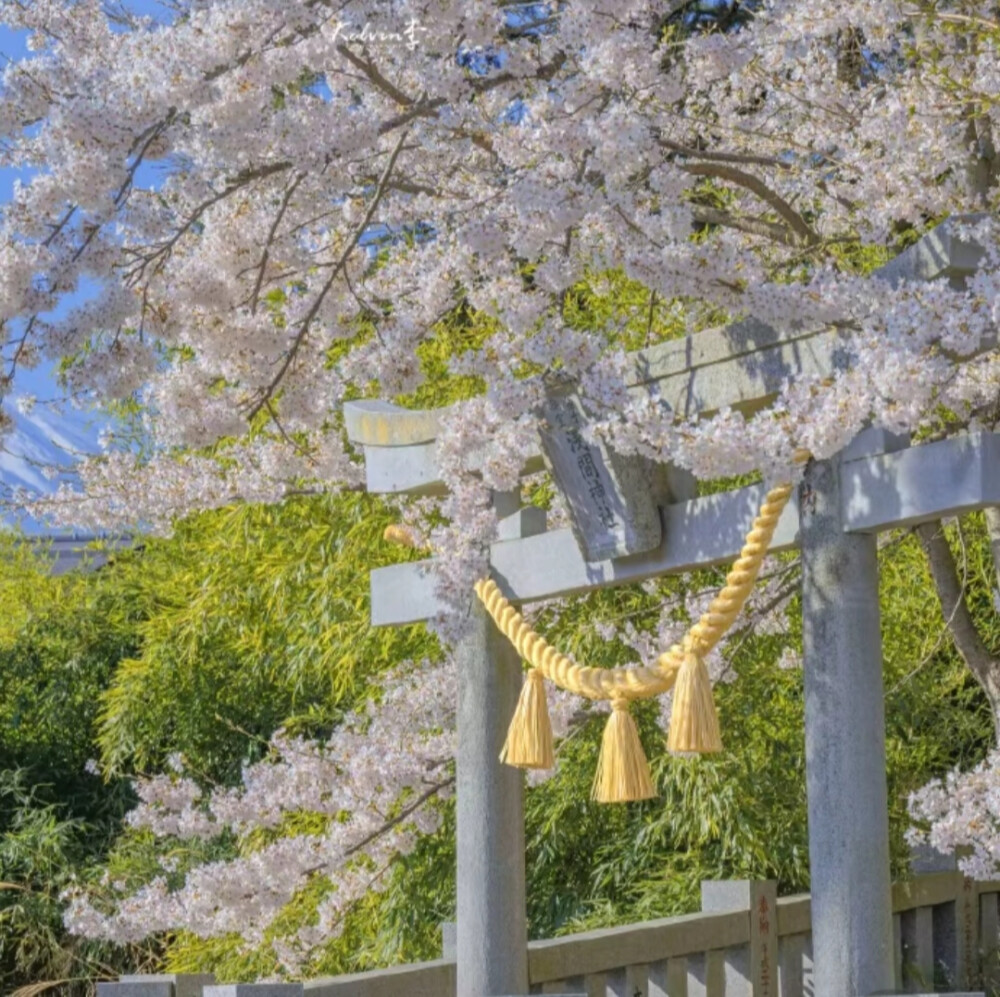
877, 483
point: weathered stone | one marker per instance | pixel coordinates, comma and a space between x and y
526, 522
376, 423
750, 970
184, 984
940, 254
610, 500
879, 491
492, 934
845, 746
255, 990
449, 939
145, 988
426, 979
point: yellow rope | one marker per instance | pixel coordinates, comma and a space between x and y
643, 682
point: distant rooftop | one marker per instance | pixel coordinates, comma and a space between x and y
72, 550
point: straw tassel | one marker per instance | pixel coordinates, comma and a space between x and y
397, 533
622, 769
529, 737
694, 724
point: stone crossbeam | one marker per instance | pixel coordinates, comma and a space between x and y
742, 365
880, 490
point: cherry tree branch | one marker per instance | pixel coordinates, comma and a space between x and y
756, 186
720, 156
265, 254
746, 223
268, 392
164, 249
412, 807
372, 73
951, 594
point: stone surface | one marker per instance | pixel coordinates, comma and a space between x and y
845, 746
940, 254
184, 984
144, 988
255, 990
426, 979
492, 934
395, 470
591, 952
449, 939
750, 970
931, 481
378, 423
526, 522
610, 499
703, 532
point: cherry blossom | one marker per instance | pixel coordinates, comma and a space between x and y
275, 202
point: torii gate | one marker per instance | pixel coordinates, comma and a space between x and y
876, 483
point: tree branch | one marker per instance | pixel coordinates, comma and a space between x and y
722, 157
756, 186
265, 255
958, 616
744, 223
268, 392
372, 73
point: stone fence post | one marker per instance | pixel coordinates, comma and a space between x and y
750, 971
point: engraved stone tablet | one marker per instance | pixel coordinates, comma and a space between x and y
611, 499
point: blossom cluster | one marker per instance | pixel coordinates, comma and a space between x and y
961, 813
377, 781
225, 209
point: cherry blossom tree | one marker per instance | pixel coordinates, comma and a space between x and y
237, 296
278, 201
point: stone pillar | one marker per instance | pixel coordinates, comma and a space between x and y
845, 747
492, 939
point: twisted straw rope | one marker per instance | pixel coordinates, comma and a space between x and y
640, 683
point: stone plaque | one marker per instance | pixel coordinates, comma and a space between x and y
611, 499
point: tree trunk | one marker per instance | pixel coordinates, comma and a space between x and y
958, 617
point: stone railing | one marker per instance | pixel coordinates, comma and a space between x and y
746, 942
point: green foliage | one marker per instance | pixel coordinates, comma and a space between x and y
42, 852
202, 645
257, 619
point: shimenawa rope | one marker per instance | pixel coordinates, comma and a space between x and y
623, 772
